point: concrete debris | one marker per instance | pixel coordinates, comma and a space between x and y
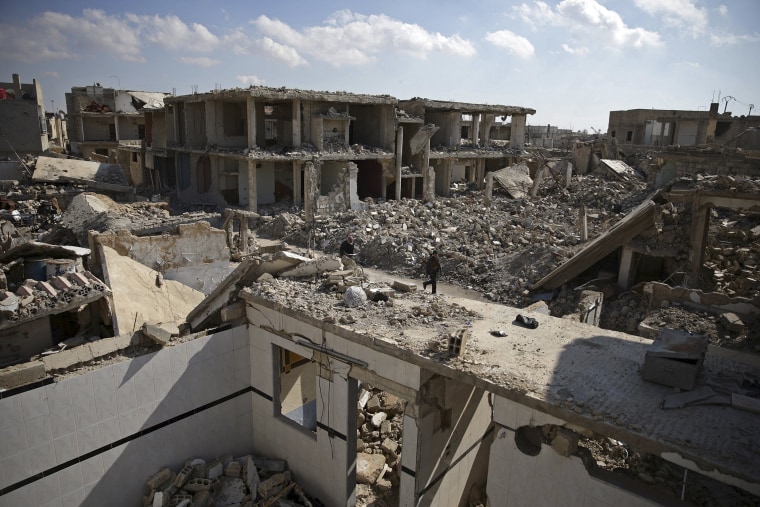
378, 445
226, 481
354, 297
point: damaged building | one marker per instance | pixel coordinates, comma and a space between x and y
224, 354
22, 119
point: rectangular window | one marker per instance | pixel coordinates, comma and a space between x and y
612, 134
112, 132
629, 136
296, 388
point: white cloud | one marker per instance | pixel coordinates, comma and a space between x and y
170, 32
575, 51
54, 35
681, 14
201, 61
348, 38
723, 10
249, 80
282, 52
515, 44
730, 39
587, 19
51, 73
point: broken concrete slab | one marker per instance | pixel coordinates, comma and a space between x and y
310, 267
137, 299
515, 180
618, 168
156, 333
108, 177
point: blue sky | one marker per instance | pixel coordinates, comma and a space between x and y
571, 60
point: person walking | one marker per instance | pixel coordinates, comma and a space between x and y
432, 270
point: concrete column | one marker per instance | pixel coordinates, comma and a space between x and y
446, 177
428, 184
17, 86
383, 192
253, 204
486, 129
475, 128
583, 223
517, 134
626, 266
311, 191
480, 172
426, 156
212, 123
243, 234
116, 127
251, 121
399, 153
700, 221
296, 123
353, 193
488, 194
297, 189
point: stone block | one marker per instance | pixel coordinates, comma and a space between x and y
24, 291
79, 279
369, 467
378, 419
389, 446
232, 469
47, 288
373, 404
159, 478
156, 333
198, 484
214, 469
270, 465
271, 486
60, 283
732, 322
202, 499
403, 286
565, 443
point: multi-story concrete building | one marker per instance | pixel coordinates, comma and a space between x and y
23, 128
99, 118
253, 147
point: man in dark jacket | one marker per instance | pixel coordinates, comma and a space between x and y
432, 269
347, 247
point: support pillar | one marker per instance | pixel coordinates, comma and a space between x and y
584, 224
253, 204
700, 221
352, 189
625, 272
428, 184
399, 152
297, 186
475, 127
251, 121
311, 191
486, 129
488, 194
517, 134
480, 173
243, 234
296, 123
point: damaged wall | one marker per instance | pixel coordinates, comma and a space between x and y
79, 441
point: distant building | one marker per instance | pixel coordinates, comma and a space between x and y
99, 118
23, 128
662, 127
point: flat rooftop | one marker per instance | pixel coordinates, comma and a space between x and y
579, 373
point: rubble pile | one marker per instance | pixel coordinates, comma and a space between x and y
320, 298
502, 249
246, 481
498, 249
378, 446
37, 298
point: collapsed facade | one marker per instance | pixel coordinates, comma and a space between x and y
269, 354
22, 118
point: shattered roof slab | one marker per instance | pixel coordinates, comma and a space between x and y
264, 92
95, 174
633, 224
465, 107
36, 249
583, 374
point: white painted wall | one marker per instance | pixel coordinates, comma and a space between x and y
545, 480
62, 422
